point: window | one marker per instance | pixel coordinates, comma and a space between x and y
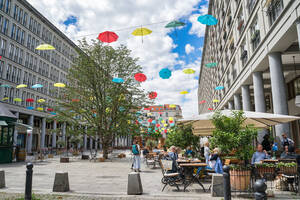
22, 37
31, 62
29, 41
11, 51
2, 4
8, 72
240, 21
1, 68
21, 56
274, 10
30, 23
251, 4
35, 64
20, 17
5, 26
38, 30
16, 54
18, 75
25, 19
13, 31
27, 60
7, 6
18, 34
244, 56
1, 22
3, 47
255, 34
16, 11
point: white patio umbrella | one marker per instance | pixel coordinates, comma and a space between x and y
202, 124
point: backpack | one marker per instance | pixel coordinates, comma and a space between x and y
135, 150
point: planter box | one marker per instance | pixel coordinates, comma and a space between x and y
101, 159
288, 170
265, 170
50, 156
240, 179
64, 159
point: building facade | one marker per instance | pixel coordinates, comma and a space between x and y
22, 29
256, 47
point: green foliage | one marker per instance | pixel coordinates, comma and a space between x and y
75, 140
282, 164
182, 136
151, 143
61, 143
231, 135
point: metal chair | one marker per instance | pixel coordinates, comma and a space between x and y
170, 179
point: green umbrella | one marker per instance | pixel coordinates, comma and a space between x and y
174, 24
210, 65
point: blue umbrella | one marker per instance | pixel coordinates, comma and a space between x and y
210, 65
219, 88
118, 80
53, 113
122, 109
165, 73
153, 122
207, 20
172, 124
30, 108
37, 86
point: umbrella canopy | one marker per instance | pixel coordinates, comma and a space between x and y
41, 100
202, 124
202, 102
21, 86
37, 86
152, 95
165, 73
108, 37
117, 80
39, 108
75, 100
188, 71
30, 100
50, 109
45, 47
207, 20
4, 112
5, 98
219, 87
140, 77
52, 113
216, 101
184, 92
174, 24
172, 106
210, 65
5, 85
59, 85
141, 32
30, 108
17, 99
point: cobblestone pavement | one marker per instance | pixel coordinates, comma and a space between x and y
94, 180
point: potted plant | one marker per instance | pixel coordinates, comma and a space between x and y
231, 135
287, 168
265, 168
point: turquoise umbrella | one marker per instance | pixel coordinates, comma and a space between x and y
30, 108
207, 20
37, 86
219, 88
210, 65
118, 80
165, 73
122, 109
5, 85
153, 122
53, 113
174, 24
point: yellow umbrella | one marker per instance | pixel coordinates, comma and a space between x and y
165, 125
163, 121
60, 85
5, 99
128, 121
45, 47
121, 97
188, 71
21, 86
184, 92
172, 106
141, 32
149, 114
216, 101
171, 119
41, 100
39, 108
17, 99
107, 110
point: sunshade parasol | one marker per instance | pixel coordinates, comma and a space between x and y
108, 37
140, 77
210, 65
37, 86
207, 20
165, 73
45, 47
59, 85
21, 86
188, 71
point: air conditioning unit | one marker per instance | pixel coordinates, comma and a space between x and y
297, 101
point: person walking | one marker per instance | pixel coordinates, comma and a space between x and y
136, 156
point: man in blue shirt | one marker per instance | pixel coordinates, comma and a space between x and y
259, 155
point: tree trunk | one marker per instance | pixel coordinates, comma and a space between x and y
105, 147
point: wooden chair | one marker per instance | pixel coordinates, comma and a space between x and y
170, 179
150, 160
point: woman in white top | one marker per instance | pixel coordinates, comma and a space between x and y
206, 152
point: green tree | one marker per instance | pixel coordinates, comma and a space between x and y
92, 99
231, 135
182, 136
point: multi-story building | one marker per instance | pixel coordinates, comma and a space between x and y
256, 47
22, 29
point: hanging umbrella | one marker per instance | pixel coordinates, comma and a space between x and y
37, 86
174, 24
188, 71
41, 100
165, 125
30, 100
202, 102
117, 80
150, 120
172, 106
140, 77
149, 114
5, 85
216, 101
207, 20
108, 37
171, 121
52, 113
5, 98
157, 125
163, 121
141, 32
45, 47
210, 109
17, 99
50, 109
121, 109
30, 108
39, 108
59, 85
165, 73
146, 108
210, 65
21, 86
184, 92
219, 88
153, 122
152, 95
171, 118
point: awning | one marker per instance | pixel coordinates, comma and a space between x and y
22, 127
3, 123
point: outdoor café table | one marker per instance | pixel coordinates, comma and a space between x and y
179, 161
189, 178
269, 161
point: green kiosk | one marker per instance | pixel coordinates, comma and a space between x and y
7, 127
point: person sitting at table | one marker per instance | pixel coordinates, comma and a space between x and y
156, 150
188, 152
145, 151
206, 152
288, 153
286, 141
266, 143
215, 162
259, 155
174, 157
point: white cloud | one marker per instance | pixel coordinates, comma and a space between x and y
155, 52
189, 48
198, 28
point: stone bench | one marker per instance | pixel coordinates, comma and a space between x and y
2, 179
61, 182
134, 186
217, 187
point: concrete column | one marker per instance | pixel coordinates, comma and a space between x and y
278, 91
298, 30
85, 142
54, 134
29, 137
259, 94
96, 143
237, 102
230, 105
91, 143
16, 132
43, 133
246, 98
64, 126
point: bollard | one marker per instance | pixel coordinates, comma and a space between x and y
226, 177
28, 183
260, 188
2, 179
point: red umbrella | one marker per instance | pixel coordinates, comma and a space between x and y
50, 109
146, 108
150, 120
108, 37
140, 77
201, 102
152, 95
210, 109
171, 121
165, 130
157, 125
29, 100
